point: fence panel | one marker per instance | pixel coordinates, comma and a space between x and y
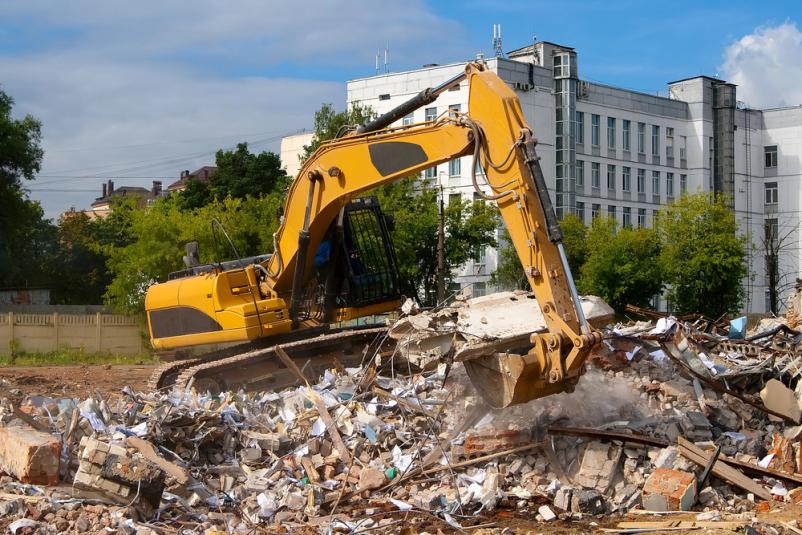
93, 333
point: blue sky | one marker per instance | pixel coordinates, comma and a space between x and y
139, 91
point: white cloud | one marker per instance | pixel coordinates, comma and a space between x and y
767, 66
124, 89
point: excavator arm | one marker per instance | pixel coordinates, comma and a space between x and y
495, 132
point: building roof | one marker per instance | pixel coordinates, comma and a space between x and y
528, 48
711, 78
122, 191
201, 175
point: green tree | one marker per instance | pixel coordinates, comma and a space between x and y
27, 240
622, 266
509, 274
330, 124
469, 226
80, 261
156, 236
239, 173
703, 257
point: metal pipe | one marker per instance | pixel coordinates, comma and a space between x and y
426, 96
583, 322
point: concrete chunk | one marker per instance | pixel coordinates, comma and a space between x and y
29, 455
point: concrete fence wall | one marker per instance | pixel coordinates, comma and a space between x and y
92, 333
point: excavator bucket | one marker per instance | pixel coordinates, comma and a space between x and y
505, 379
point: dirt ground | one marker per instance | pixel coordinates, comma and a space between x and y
71, 381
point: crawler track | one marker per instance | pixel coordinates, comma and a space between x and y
251, 367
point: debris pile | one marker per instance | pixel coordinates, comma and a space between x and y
672, 416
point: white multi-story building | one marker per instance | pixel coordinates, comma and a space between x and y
607, 150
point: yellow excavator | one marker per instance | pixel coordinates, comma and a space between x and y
333, 258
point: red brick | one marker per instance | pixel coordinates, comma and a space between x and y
29, 455
669, 490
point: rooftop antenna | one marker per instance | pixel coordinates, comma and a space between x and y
535, 52
377, 61
386, 54
498, 50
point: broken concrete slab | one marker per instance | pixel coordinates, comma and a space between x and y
29, 455
667, 489
779, 398
599, 465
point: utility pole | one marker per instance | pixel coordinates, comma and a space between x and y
441, 238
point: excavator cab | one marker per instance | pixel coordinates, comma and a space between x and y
355, 265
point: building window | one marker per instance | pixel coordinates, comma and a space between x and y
594, 130
771, 155
683, 147
669, 184
626, 179
710, 155
683, 184
580, 173
625, 127
594, 210
611, 211
595, 174
641, 180
580, 211
656, 182
479, 289
454, 198
611, 132
771, 192
454, 167
772, 230
626, 217
453, 110
655, 140
580, 127
669, 142
641, 217
431, 173
408, 119
430, 114
641, 138
611, 177
385, 96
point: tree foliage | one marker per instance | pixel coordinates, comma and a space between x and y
621, 266
703, 257
27, 240
469, 225
509, 274
240, 173
157, 234
330, 124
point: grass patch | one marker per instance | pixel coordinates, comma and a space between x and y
68, 357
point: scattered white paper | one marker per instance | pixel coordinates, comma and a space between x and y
318, 428
663, 325
404, 506
707, 362
451, 522
779, 490
23, 523
764, 462
401, 461
631, 354
658, 355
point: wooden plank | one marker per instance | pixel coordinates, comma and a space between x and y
149, 452
686, 524
729, 474
345, 455
311, 471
